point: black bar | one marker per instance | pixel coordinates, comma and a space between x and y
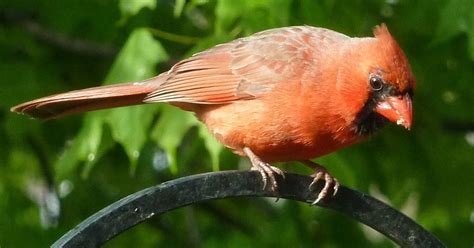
159, 199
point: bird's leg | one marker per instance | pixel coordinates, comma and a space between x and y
321, 173
267, 171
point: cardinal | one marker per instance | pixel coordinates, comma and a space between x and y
285, 94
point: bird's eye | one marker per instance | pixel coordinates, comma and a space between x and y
376, 83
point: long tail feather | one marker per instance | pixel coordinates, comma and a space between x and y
78, 101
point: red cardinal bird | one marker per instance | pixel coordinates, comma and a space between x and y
285, 94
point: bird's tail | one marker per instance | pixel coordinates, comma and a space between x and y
95, 98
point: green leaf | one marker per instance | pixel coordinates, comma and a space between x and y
138, 58
136, 61
129, 126
254, 15
84, 147
199, 2
170, 130
212, 145
227, 11
178, 8
132, 7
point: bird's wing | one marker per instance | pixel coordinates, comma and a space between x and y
242, 69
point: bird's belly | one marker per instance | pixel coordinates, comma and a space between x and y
293, 150
272, 137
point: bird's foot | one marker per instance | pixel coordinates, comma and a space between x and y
330, 182
267, 171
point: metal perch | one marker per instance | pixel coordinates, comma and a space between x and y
140, 206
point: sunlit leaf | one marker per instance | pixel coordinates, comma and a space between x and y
227, 12
178, 8
84, 147
136, 61
254, 15
129, 126
170, 130
213, 146
132, 7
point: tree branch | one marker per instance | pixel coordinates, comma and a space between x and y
83, 47
140, 206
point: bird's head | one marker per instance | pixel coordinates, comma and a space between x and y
381, 84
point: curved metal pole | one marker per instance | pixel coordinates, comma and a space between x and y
140, 206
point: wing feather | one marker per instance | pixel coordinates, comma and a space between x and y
246, 68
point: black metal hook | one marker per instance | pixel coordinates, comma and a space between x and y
159, 199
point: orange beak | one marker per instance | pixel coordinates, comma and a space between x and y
396, 109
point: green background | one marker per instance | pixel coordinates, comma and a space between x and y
55, 174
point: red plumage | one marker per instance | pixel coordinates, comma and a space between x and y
284, 94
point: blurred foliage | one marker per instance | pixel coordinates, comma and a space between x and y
55, 174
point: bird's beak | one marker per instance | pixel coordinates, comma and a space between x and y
396, 109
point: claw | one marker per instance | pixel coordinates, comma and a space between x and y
329, 181
336, 187
317, 176
263, 174
267, 171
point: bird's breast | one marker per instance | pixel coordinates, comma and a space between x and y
276, 130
